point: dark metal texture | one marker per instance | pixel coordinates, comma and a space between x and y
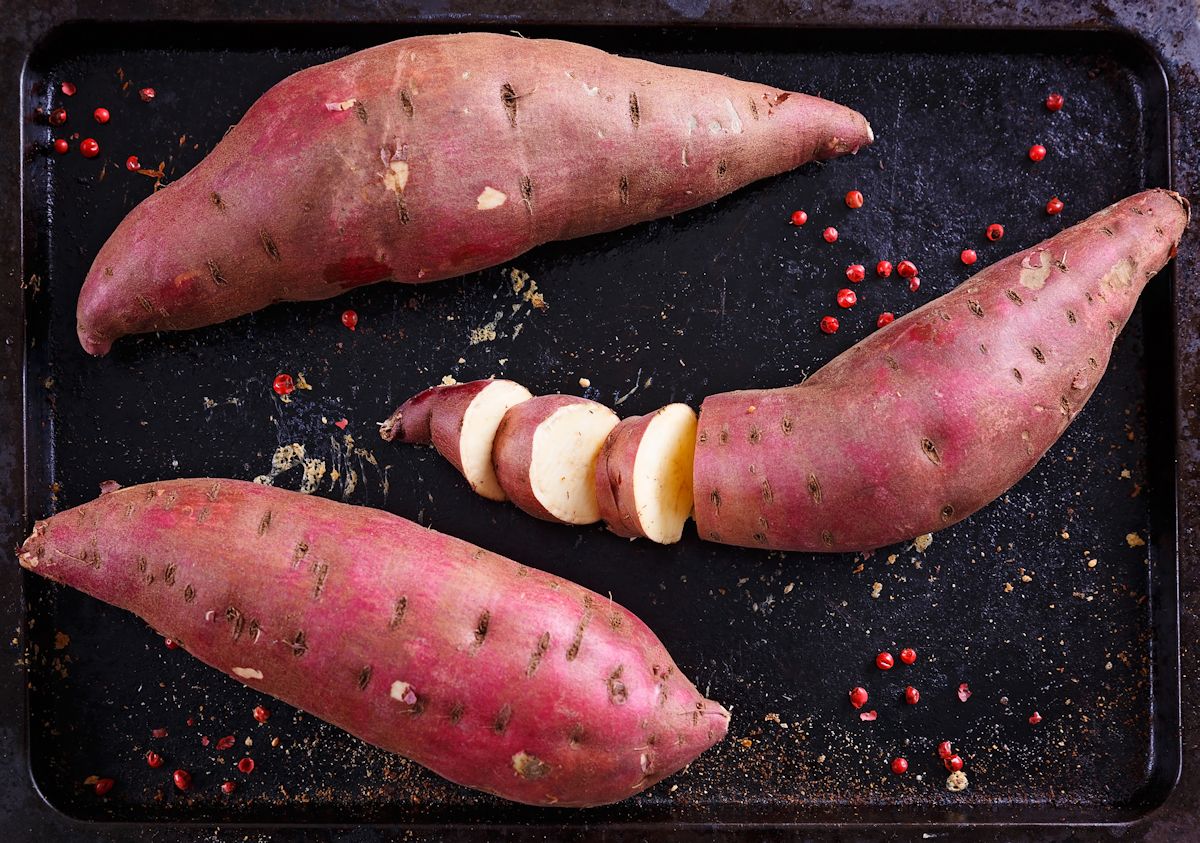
724, 297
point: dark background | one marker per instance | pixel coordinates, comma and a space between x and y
724, 297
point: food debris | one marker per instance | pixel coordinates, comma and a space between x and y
61, 640
585, 382
1134, 540
964, 692
876, 589
449, 380
922, 542
868, 715
956, 781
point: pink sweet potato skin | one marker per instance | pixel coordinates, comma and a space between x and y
512, 452
934, 416
614, 476
377, 166
412, 422
518, 683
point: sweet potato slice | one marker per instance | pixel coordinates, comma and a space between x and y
460, 421
644, 474
545, 454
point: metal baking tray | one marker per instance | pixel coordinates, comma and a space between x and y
724, 297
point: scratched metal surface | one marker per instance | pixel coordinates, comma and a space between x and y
723, 297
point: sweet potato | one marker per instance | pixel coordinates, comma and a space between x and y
494, 675
460, 421
545, 454
435, 156
932, 417
644, 474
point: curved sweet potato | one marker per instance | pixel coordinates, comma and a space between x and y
435, 156
929, 419
644, 474
494, 675
545, 453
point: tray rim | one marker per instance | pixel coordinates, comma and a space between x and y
1175, 58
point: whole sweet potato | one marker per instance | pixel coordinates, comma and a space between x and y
932, 417
434, 156
495, 675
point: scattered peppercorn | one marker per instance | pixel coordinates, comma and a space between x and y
964, 692
350, 319
854, 199
884, 661
1054, 206
284, 385
261, 714
158, 733
954, 763
968, 256
869, 715
856, 272
132, 163
858, 697
228, 787
1037, 152
830, 234
908, 655
67, 88
906, 269
58, 116
182, 779
89, 148
101, 115
246, 765
995, 231
911, 695
829, 325
1035, 719
945, 750
1054, 102
899, 766
914, 284
885, 318
103, 786
170, 644
154, 760
147, 94
846, 297
61, 146
799, 217
883, 269
226, 742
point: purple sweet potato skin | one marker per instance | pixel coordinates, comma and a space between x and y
934, 416
375, 167
518, 683
614, 476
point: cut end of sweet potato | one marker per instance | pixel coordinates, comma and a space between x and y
565, 448
662, 473
477, 433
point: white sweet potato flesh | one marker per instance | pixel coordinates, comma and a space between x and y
467, 442
460, 421
644, 474
497, 676
435, 156
545, 453
937, 414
